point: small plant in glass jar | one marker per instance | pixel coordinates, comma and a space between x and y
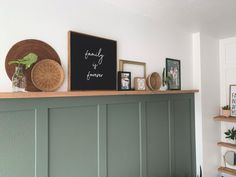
18, 78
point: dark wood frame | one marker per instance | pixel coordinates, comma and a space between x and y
175, 60
119, 80
69, 56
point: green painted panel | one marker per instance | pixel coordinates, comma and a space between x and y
121, 136
123, 139
158, 148
17, 143
73, 142
182, 134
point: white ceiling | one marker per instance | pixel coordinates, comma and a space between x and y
217, 17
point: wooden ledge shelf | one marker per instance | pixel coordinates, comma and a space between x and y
225, 119
14, 95
228, 145
227, 170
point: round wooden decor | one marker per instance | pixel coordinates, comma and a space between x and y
154, 81
47, 75
21, 49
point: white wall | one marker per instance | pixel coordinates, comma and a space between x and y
197, 83
207, 102
227, 75
210, 91
139, 38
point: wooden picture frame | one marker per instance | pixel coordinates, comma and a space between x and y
232, 100
173, 72
133, 68
123, 62
92, 62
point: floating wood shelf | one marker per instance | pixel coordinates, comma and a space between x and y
225, 119
228, 145
11, 95
227, 170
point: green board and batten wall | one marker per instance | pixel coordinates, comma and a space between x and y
111, 136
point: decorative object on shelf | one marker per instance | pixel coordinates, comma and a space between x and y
226, 111
91, 62
47, 75
154, 81
165, 79
18, 78
137, 69
139, 83
124, 80
20, 49
230, 158
232, 91
173, 72
231, 134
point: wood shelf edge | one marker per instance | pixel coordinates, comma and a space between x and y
12, 95
227, 170
225, 119
228, 145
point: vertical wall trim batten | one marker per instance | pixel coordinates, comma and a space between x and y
143, 138
140, 138
41, 143
98, 138
102, 140
35, 142
170, 139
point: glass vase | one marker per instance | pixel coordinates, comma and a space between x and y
18, 79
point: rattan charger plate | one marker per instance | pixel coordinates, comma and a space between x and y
47, 75
154, 81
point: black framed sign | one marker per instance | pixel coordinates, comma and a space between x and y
173, 74
92, 62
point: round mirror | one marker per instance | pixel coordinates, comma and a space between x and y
230, 158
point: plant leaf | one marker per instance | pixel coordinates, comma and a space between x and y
13, 62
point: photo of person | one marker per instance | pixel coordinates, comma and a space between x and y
173, 74
124, 80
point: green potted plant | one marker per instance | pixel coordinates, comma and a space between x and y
226, 111
231, 134
18, 78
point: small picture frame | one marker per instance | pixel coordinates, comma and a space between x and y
139, 83
173, 73
232, 98
124, 80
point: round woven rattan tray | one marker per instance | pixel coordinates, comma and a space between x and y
154, 81
47, 75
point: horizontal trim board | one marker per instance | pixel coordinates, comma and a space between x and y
14, 95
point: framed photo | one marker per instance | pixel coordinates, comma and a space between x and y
124, 80
137, 69
173, 73
139, 83
92, 62
232, 98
